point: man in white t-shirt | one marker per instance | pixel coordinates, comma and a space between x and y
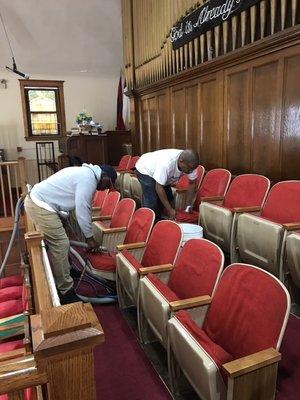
157, 170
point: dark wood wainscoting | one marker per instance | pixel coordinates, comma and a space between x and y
243, 114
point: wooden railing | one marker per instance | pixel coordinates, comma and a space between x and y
62, 341
12, 183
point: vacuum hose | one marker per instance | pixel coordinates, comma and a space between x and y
12, 238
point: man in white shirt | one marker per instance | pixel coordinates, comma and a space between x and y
69, 189
157, 170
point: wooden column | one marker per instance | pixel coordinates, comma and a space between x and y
63, 343
23, 173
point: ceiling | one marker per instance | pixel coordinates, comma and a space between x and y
58, 37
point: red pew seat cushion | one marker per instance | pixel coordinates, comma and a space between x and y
11, 293
216, 352
103, 261
11, 307
167, 293
10, 346
15, 280
191, 218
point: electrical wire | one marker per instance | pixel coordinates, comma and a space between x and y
6, 34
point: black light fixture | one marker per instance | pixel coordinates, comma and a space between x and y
14, 67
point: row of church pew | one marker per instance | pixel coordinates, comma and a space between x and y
250, 220
224, 338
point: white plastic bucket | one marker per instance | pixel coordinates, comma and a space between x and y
191, 231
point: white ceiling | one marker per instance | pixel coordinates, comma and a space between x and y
58, 37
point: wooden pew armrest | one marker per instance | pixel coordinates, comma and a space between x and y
156, 269
246, 209
212, 198
292, 226
101, 218
114, 230
252, 362
190, 303
131, 246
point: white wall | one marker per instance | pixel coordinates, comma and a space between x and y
98, 96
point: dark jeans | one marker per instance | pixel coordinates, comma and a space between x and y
150, 197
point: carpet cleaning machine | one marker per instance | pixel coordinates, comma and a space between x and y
80, 266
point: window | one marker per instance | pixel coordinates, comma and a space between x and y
43, 109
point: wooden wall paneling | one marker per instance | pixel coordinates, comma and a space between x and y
237, 127
144, 125
193, 123
211, 114
266, 132
135, 126
163, 119
153, 128
291, 119
178, 115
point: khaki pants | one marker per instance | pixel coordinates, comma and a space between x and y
51, 226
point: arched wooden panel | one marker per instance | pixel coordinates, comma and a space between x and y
153, 129
290, 119
193, 121
178, 114
144, 126
163, 107
211, 114
237, 127
266, 131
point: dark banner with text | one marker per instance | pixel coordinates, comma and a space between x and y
210, 14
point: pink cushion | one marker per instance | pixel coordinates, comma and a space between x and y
247, 311
196, 270
123, 213
191, 218
11, 345
163, 244
183, 181
132, 162
140, 225
99, 197
11, 293
162, 288
282, 204
27, 393
123, 163
11, 307
215, 183
103, 261
216, 352
15, 280
247, 190
110, 203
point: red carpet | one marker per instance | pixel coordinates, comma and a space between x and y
122, 370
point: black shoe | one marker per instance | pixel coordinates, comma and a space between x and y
69, 297
75, 273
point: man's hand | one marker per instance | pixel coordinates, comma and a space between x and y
91, 242
172, 213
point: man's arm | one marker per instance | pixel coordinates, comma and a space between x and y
83, 208
164, 199
190, 193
